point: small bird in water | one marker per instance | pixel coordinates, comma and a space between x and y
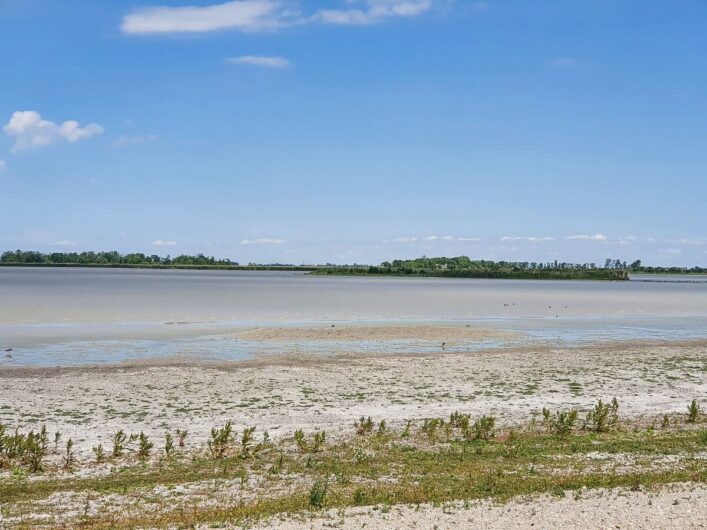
8, 349
444, 344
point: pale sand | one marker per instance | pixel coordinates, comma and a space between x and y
676, 506
284, 394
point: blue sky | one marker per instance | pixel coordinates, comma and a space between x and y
356, 130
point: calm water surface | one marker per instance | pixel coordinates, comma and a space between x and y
76, 316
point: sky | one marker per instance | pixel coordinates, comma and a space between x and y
342, 131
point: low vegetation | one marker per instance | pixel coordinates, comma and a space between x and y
431, 460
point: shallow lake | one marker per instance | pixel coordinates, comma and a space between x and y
78, 316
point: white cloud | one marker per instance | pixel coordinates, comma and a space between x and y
259, 60
259, 15
3, 165
448, 238
65, 243
695, 242
404, 239
244, 15
373, 11
431, 238
595, 237
31, 131
163, 243
532, 239
263, 241
468, 239
122, 141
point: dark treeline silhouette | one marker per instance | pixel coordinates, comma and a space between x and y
31, 257
464, 267
456, 267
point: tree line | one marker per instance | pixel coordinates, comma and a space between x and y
31, 257
459, 266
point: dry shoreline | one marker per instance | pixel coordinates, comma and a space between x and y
283, 393
311, 392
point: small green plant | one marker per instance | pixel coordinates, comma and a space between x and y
430, 426
181, 437
359, 497
406, 430
144, 447
666, 421
483, 428
120, 440
246, 440
301, 441
603, 417
459, 421
703, 437
561, 422
364, 426
318, 493
34, 450
693, 412
69, 456
318, 441
278, 466
44, 438
220, 440
57, 439
168, 445
99, 453
381, 428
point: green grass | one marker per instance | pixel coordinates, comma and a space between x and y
416, 468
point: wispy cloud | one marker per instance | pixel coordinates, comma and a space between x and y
65, 243
163, 243
372, 11
31, 131
586, 237
698, 242
532, 239
3, 165
259, 15
244, 15
260, 60
413, 239
264, 241
123, 140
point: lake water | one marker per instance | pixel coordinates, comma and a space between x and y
78, 316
